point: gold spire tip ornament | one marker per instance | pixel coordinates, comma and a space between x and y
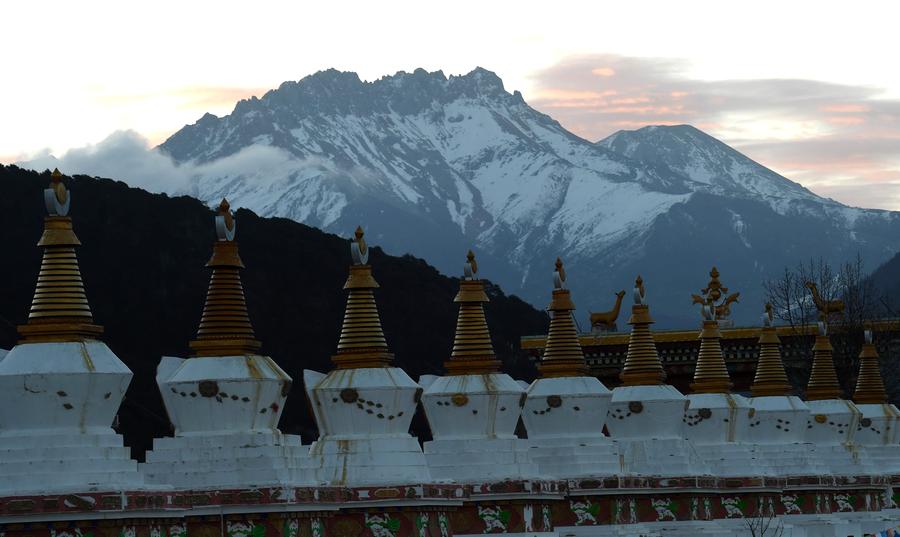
770, 378
823, 383
713, 300
642, 366
870, 384
59, 310
710, 373
473, 352
225, 327
362, 343
563, 355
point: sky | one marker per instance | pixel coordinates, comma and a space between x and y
809, 89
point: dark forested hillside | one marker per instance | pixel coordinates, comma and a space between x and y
143, 259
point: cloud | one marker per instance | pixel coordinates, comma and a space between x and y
840, 140
128, 156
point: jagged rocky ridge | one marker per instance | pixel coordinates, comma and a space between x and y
142, 261
435, 164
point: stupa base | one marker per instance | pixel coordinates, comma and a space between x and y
223, 460
660, 457
480, 459
566, 457
733, 459
372, 460
33, 462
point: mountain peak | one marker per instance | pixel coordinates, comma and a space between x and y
702, 158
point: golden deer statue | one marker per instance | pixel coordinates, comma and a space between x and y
825, 307
606, 321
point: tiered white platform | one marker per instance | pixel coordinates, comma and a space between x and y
717, 425
473, 420
646, 423
238, 459
830, 431
57, 401
363, 416
777, 433
225, 410
59, 462
876, 432
564, 417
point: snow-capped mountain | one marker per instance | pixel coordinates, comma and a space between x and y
434, 165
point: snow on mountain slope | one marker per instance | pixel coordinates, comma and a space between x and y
434, 165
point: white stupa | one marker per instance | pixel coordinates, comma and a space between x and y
717, 421
364, 407
61, 387
566, 408
224, 401
646, 416
474, 409
878, 424
778, 426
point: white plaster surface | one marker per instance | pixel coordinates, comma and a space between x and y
564, 418
566, 407
473, 406
473, 421
715, 418
659, 415
830, 431
777, 432
363, 417
225, 410
647, 425
249, 393
57, 404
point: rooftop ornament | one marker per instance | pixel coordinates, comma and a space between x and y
563, 356
710, 374
59, 310
869, 384
225, 328
473, 352
642, 366
823, 383
362, 342
770, 376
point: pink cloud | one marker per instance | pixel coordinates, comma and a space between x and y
832, 137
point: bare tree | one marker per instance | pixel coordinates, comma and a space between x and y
764, 524
848, 301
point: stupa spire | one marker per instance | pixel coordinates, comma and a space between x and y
362, 342
710, 374
563, 356
642, 366
473, 352
823, 382
869, 384
770, 377
225, 328
59, 309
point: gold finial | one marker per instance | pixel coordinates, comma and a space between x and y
59, 309
710, 374
362, 342
473, 352
470, 268
642, 366
225, 328
823, 382
58, 187
563, 356
225, 213
714, 303
770, 377
869, 384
